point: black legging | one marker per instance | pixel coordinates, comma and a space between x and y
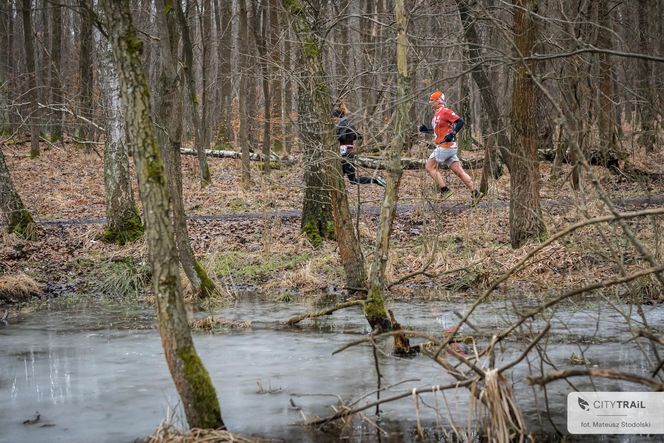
349, 170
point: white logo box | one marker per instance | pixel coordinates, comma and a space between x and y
615, 412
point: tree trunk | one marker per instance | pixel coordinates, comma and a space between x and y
526, 221
56, 70
275, 83
5, 124
500, 156
29, 42
169, 115
223, 21
648, 138
123, 220
349, 245
16, 217
260, 27
206, 43
317, 222
242, 96
610, 152
188, 51
374, 308
191, 379
85, 71
290, 141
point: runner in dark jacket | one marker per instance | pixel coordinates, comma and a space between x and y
347, 134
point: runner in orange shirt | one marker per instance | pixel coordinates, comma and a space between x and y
445, 125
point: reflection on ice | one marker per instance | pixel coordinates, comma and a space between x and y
99, 375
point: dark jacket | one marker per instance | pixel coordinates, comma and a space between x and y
346, 133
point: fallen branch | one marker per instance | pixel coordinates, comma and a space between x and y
423, 271
600, 373
640, 332
232, 154
328, 311
408, 163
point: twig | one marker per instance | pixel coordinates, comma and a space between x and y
640, 332
68, 111
601, 373
378, 375
527, 350
298, 318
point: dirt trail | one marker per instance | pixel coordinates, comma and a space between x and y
449, 207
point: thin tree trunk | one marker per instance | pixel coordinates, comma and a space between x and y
223, 20
56, 69
169, 115
526, 221
275, 82
206, 30
85, 71
188, 51
123, 220
5, 123
199, 398
33, 112
260, 27
17, 219
610, 151
499, 156
648, 138
290, 141
374, 308
242, 96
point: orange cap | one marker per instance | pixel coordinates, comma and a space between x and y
437, 96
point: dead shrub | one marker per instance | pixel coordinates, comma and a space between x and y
18, 288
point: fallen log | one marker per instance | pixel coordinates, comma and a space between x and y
410, 163
364, 161
233, 154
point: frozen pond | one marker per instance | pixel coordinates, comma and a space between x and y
98, 374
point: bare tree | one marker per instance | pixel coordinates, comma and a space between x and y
242, 96
188, 52
526, 221
259, 25
56, 69
374, 308
85, 69
191, 379
28, 40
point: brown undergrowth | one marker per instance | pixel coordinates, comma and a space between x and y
438, 251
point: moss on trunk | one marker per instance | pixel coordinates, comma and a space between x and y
208, 288
130, 230
375, 312
204, 395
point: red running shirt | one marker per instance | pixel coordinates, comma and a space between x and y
443, 123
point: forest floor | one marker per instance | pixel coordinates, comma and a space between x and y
251, 241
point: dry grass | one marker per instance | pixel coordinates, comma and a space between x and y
211, 323
166, 433
18, 288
